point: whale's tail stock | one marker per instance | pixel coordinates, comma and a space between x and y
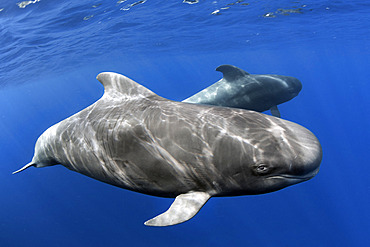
24, 167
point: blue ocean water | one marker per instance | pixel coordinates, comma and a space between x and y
51, 52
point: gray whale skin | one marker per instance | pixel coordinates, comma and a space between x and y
137, 140
240, 89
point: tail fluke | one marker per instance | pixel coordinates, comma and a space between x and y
24, 167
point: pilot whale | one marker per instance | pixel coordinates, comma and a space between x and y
240, 89
137, 140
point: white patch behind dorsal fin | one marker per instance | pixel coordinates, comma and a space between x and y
117, 83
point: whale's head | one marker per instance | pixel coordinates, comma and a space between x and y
43, 155
294, 86
290, 154
279, 88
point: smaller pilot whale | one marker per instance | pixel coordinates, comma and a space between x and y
134, 139
240, 89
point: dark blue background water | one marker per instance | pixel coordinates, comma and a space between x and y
51, 51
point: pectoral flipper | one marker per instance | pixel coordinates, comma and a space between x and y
182, 209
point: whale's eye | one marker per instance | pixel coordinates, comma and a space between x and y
261, 169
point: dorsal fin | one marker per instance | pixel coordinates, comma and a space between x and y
114, 83
231, 73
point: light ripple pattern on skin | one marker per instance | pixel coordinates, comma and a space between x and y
134, 139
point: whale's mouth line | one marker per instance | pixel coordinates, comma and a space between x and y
292, 177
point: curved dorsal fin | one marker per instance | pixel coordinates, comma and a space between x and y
114, 83
231, 73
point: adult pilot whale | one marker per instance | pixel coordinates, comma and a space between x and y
240, 89
137, 140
